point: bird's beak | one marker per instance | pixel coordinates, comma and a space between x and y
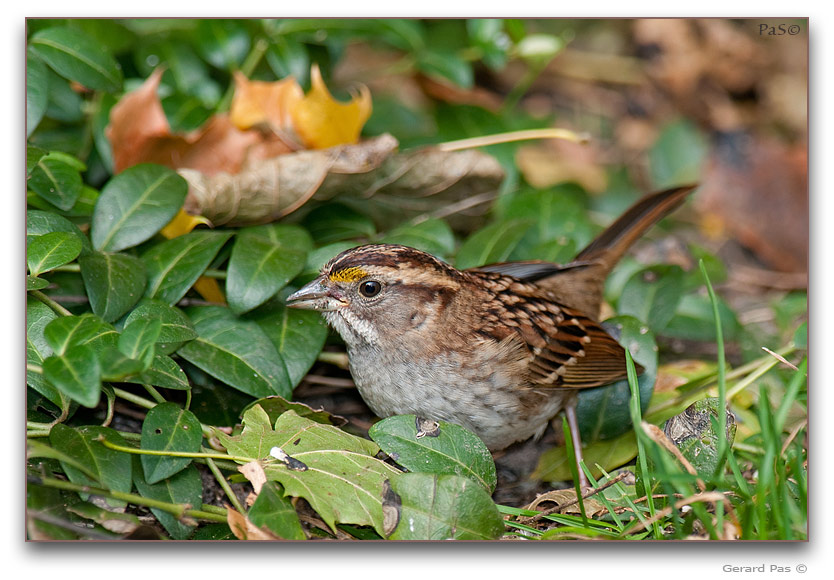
318, 295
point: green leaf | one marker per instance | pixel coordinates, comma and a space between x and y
494, 243
174, 265
37, 92
426, 506
167, 427
334, 471
609, 454
454, 451
35, 283
184, 488
222, 42
67, 331
47, 252
448, 66
334, 222
138, 340
56, 181
263, 260
176, 327
76, 373
110, 469
287, 57
38, 315
77, 57
40, 222
432, 235
235, 351
274, 512
603, 412
275, 406
116, 365
114, 283
652, 295
298, 336
678, 155
136, 204
163, 372
694, 319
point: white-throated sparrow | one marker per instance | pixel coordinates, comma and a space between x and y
499, 349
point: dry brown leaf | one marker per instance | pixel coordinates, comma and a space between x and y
243, 529
568, 496
254, 472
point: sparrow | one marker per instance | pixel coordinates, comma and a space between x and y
500, 349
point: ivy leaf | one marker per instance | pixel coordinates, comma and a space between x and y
47, 252
263, 260
275, 512
235, 351
186, 488
37, 92
432, 235
163, 372
76, 373
334, 222
56, 181
114, 283
40, 222
174, 265
652, 295
109, 469
176, 329
68, 331
38, 315
77, 57
167, 427
333, 470
298, 336
491, 244
136, 204
453, 451
137, 340
426, 506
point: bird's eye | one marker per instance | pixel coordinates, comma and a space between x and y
370, 288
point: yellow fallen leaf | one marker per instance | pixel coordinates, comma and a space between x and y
321, 121
209, 289
258, 102
183, 223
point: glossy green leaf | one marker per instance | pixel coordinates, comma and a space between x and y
603, 412
447, 66
287, 57
40, 222
77, 57
275, 406
677, 155
235, 351
652, 295
35, 283
56, 181
138, 340
298, 336
174, 265
432, 235
67, 331
116, 365
47, 252
222, 42
694, 319
274, 512
38, 315
333, 470
163, 372
184, 488
334, 222
167, 427
494, 243
176, 328
136, 204
426, 506
114, 283
263, 260
37, 95
111, 469
76, 373
453, 451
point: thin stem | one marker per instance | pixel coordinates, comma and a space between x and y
224, 484
50, 302
135, 399
178, 510
547, 133
155, 394
246, 68
189, 454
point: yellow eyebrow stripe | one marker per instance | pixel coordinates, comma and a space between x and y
348, 275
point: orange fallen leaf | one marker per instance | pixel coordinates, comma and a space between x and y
182, 224
264, 103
